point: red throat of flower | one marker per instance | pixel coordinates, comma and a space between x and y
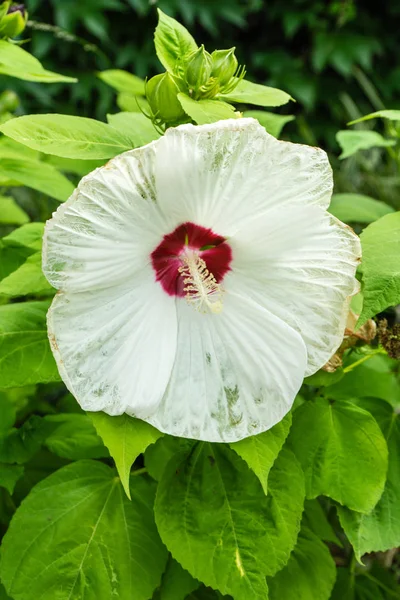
191, 262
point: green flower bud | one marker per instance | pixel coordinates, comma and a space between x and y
225, 65
13, 18
9, 102
161, 93
198, 68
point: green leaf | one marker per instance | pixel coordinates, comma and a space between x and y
172, 40
379, 530
138, 127
353, 141
74, 437
7, 413
131, 103
158, 455
213, 516
380, 243
122, 81
28, 279
67, 136
176, 582
20, 445
37, 175
25, 355
357, 208
126, 438
9, 475
11, 213
374, 378
342, 452
90, 541
27, 238
72, 165
392, 115
16, 62
273, 123
247, 92
316, 520
206, 111
3, 595
260, 451
310, 573
18, 245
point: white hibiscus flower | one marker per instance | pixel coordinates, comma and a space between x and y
200, 279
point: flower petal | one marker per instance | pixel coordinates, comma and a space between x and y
217, 175
299, 263
106, 231
235, 374
115, 347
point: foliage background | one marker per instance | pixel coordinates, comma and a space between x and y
339, 62
336, 58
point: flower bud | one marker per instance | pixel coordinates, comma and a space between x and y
9, 102
161, 93
198, 68
225, 65
13, 18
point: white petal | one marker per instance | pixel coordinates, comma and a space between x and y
115, 347
106, 231
300, 263
235, 374
218, 175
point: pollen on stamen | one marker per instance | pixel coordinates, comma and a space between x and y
201, 287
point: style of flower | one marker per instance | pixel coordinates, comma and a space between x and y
200, 279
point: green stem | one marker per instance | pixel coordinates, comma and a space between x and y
362, 360
139, 471
381, 585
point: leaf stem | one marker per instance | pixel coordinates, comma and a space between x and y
139, 471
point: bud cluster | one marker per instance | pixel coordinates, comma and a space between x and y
200, 75
13, 18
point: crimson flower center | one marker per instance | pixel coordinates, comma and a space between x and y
191, 262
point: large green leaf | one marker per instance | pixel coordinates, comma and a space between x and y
11, 213
138, 127
342, 451
25, 355
357, 208
392, 115
206, 111
380, 243
122, 81
172, 41
74, 437
37, 175
272, 122
260, 451
67, 136
176, 582
213, 516
27, 237
16, 62
247, 92
309, 574
379, 530
126, 438
89, 540
355, 140
158, 455
28, 279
